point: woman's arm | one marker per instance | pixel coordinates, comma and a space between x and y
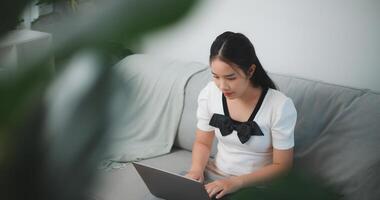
200, 155
282, 163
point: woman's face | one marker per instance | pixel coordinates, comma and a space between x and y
231, 80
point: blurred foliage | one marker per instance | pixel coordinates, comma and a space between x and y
32, 167
46, 1
73, 3
296, 185
9, 14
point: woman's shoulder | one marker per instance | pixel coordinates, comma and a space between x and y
210, 92
278, 98
281, 103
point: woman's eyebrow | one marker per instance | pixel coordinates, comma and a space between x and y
228, 75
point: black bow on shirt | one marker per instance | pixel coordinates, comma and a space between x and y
244, 130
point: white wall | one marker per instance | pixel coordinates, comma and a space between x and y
336, 41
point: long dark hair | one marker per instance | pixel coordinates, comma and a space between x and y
236, 49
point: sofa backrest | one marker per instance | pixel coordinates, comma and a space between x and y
337, 133
187, 125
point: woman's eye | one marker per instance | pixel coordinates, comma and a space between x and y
231, 78
216, 77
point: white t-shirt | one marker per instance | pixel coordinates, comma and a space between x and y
276, 118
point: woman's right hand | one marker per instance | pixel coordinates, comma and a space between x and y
195, 175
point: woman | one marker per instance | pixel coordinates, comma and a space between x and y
252, 121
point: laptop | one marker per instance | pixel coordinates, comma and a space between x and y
170, 186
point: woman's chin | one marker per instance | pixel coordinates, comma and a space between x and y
230, 97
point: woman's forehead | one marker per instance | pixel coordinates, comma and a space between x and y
219, 67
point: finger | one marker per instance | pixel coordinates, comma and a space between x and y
189, 176
215, 191
193, 177
208, 189
199, 179
220, 194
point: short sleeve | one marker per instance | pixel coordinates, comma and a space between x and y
283, 124
203, 113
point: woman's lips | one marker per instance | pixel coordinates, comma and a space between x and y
227, 93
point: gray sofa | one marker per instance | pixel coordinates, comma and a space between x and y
337, 136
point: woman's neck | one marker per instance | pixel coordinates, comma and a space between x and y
251, 95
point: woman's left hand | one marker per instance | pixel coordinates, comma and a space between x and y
223, 186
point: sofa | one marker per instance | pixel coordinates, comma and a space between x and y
337, 135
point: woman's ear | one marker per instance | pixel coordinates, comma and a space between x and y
251, 70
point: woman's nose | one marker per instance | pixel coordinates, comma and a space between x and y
223, 85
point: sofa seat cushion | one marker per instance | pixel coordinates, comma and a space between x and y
125, 183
